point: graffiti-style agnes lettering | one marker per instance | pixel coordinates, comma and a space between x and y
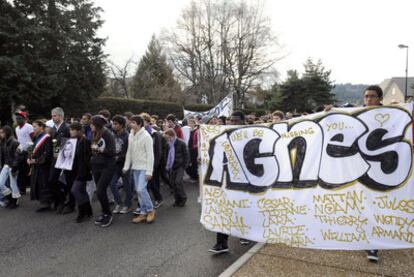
331, 151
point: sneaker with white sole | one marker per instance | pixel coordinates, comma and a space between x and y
137, 211
244, 242
117, 209
106, 221
219, 248
373, 256
158, 204
99, 219
125, 210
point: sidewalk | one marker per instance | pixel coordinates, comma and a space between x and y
280, 260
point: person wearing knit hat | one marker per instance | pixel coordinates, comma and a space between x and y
103, 165
99, 121
22, 114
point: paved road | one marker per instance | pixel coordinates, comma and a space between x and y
47, 244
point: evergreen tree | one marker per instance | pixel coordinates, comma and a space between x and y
306, 93
50, 54
317, 84
154, 78
289, 95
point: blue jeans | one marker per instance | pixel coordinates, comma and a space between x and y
6, 174
144, 198
126, 180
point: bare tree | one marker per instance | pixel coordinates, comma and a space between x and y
221, 47
120, 77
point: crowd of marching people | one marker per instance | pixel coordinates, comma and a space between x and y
132, 152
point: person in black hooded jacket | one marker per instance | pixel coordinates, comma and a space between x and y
103, 165
81, 172
9, 170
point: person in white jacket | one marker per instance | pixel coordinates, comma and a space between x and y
140, 159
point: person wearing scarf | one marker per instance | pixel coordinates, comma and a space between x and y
177, 161
41, 161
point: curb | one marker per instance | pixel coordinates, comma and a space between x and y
242, 260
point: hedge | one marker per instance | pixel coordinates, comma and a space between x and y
122, 105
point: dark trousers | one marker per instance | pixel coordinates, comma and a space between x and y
154, 185
192, 169
222, 239
56, 187
127, 182
176, 180
163, 173
23, 178
103, 174
79, 192
67, 190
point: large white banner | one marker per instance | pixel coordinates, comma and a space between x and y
224, 108
339, 180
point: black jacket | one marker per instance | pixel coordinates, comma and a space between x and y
2, 145
181, 157
157, 139
40, 172
10, 153
121, 146
43, 157
81, 170
62, 132
107, 144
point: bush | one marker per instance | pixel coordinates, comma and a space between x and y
257, 112
121, 105
205, 107
199, 107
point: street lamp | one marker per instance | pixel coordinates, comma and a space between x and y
402, 46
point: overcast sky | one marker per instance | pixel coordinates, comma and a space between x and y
356, 39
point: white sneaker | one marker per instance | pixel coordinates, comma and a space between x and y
125, 210
16, 195
117, 209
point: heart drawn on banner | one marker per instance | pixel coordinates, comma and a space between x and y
382, 118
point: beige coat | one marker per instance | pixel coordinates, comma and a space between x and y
140, 153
